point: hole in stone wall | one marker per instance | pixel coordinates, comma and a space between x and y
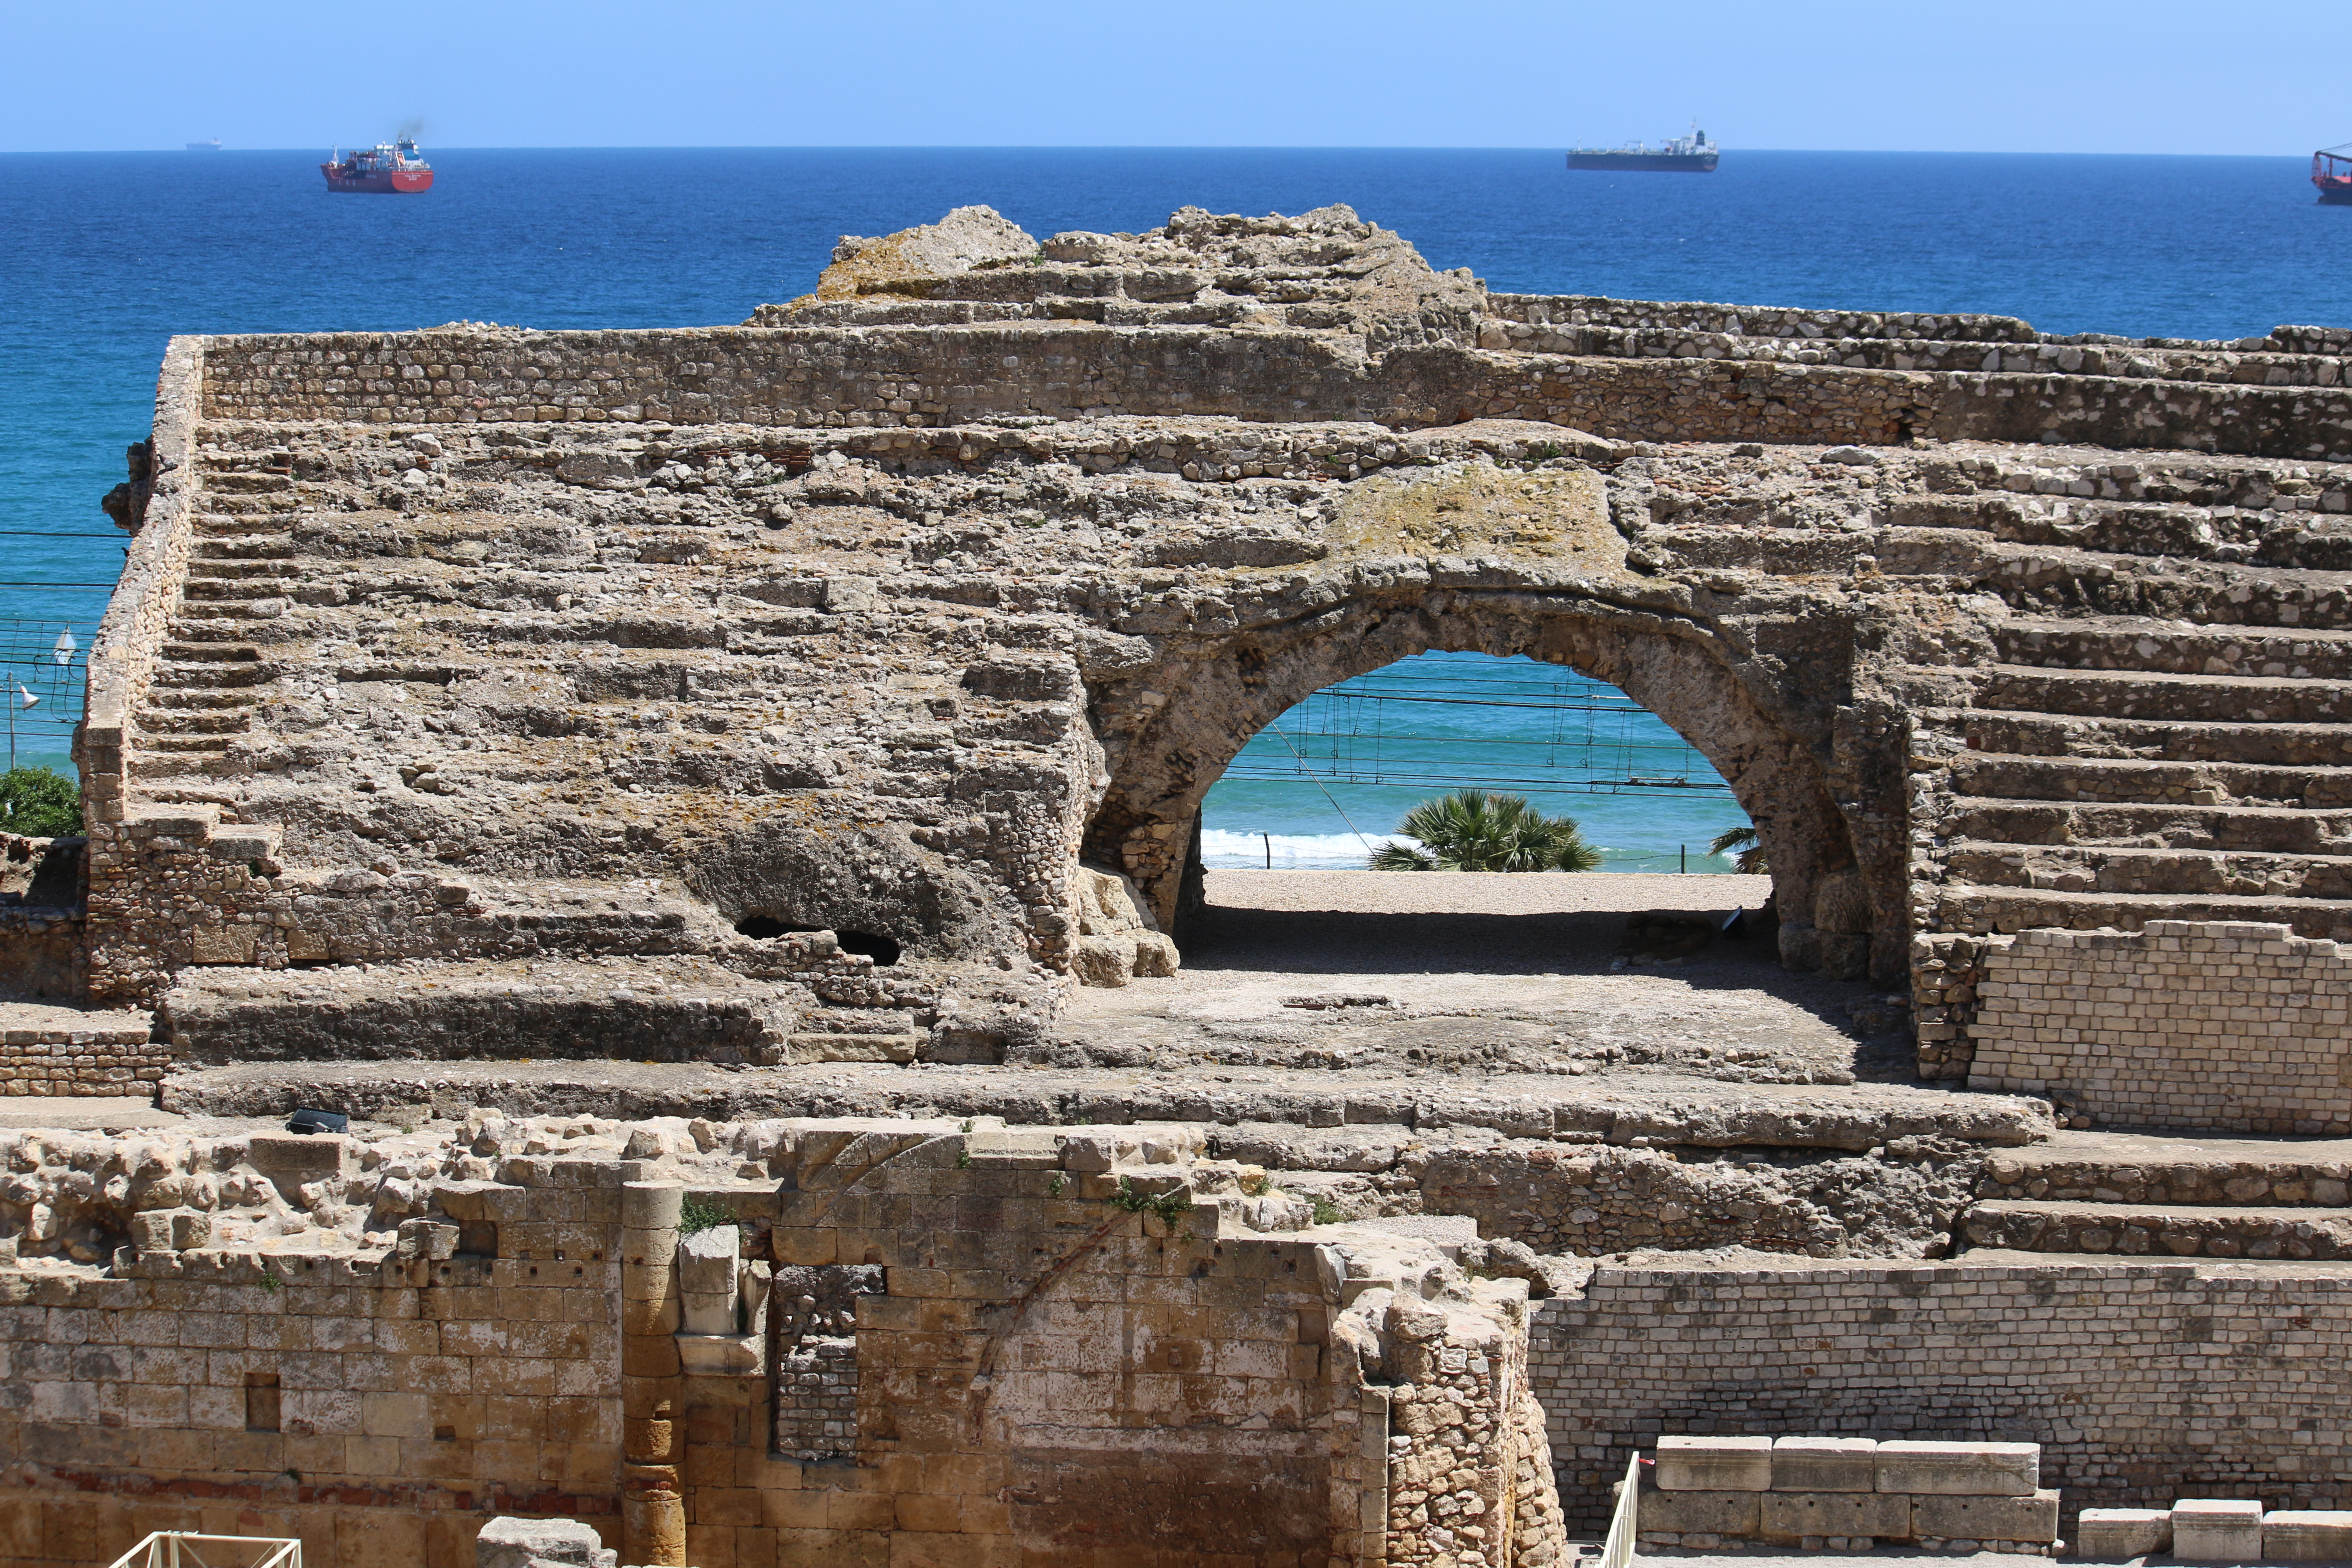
882, 950
261, 1402
814, 1309
762, 928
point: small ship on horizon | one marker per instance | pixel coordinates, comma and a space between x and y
388, 168
1691, 155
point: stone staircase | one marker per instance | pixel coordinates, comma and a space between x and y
218, 661
432, 963
2158, 733
2160, 1196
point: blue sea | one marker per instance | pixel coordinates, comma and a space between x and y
104, 256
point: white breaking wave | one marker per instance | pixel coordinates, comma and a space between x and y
1224, 851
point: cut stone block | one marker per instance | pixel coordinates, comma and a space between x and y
1824, 1463
1715, 1464
2307, 1535
1701, 1513
2216, 1529
1960, 1470
1963, 1517
722, 1355
1794, 1516
2117, 1534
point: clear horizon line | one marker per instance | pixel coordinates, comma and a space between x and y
1115, 147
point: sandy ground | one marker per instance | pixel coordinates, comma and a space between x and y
1486, 973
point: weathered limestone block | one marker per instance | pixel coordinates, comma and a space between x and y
708, 1261
1702, 1513
2307, 1535
1960, 1470
1794, 1516
1715, 1464
2216, 1529
511, 1542
2119, 1534
1954, 1517
1825, 1465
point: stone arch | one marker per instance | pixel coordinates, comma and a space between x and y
1170, 729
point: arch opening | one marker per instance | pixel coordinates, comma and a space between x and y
1171, 732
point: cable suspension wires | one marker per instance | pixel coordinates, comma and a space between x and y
1445, 724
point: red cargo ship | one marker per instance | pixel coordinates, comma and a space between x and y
388, 168
2331, 171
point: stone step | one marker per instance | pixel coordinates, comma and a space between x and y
1962, 906
2159, 1230
245, 481
2057, 736
2127, 781
2085, 870
211, 598
181, 748
2262, 829
175, 698
2150, 695
218, 648
2160, 1168
2043, 579
178, 672
272, 506
242, 547
179, 724
237, 525
2136, 643
673, 1009
218, 571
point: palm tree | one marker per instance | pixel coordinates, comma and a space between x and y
1751, 859
1471, 830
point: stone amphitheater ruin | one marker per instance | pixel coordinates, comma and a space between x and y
719, 808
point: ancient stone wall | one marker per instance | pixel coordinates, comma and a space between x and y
1057, 1344
910, 609
2140, 1380
2178, 1024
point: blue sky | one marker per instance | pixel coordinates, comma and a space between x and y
1991, 75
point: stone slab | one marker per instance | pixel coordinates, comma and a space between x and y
1794, 1516
1825, 1465
1960, 1470
2216, 1529
1687, 1463
1701, 1513
2119, 1534
2307, 1535
1966, 1517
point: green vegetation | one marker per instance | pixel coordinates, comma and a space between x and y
1750, 858
39, 802
699, 1213
1327, 1212
1172, 1208
1471, 830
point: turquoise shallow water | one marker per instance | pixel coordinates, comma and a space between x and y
104, 256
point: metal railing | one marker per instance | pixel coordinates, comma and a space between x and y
1617, 1551
187, 1549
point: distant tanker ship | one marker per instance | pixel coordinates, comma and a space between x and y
388, 168
1691, 155
2331, 171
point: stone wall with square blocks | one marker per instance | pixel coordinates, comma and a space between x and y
886, 1340
2183, 1024
2140, 1382
1847, 1494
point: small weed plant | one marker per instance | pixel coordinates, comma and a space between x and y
1173, 1209
699, 1213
